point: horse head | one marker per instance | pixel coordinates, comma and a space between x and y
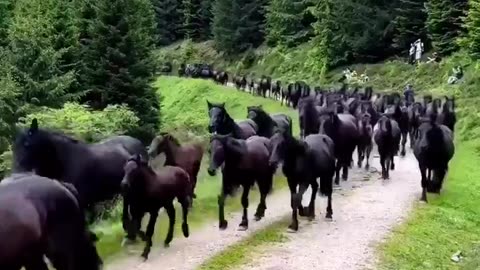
36, 150
218, 116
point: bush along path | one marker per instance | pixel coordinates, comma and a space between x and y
365, 209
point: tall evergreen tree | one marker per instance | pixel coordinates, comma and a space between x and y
444, 23
169, 19
197, 16
409, 23
472, 24
284, 22
323, 50
237, 25
6, 8
118, 64
37, 58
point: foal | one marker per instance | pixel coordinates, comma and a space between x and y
147, 191
187, 157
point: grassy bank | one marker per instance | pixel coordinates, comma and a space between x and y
185, 114
449, 222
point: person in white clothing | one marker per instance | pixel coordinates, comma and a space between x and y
411, 54
418, 50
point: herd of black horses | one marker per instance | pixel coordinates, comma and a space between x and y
57, 179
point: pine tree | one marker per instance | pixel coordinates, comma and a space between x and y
37, 59
409, 23
472, 24
284, 22
237, 25
323, 51
197, 16
118, 66
444, 24
6, 8
168, 17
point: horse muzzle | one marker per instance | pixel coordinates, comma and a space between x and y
212, 172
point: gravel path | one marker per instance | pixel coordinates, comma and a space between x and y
361, 221
363, 213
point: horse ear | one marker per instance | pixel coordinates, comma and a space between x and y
209, 105
138, 158
33, 126
93, 237
222, 104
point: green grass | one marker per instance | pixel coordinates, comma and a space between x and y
241, 252
185, 114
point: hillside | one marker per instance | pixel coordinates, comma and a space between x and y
185, 115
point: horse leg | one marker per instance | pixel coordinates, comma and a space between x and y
185, 205
360, 156
423, 171
149, 233
345, 170
404, 141
222, 223
264, 187
243, 226
125, 217
392, 164
311, 206
369, 151
171, 217
382, 163
293, 190
298, 199
388, 162
36, 263
411, 133
337, 172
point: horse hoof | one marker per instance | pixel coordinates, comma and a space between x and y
258, 217
185, 230
223, 225
311, 217
145, 255
292, 229
242, 227
166, 245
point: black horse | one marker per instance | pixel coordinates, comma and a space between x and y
308, 115
148, 191
221, 123
267, 124
245, 162
40, 216
365, 144
387, 137
448, 117
343, 130
433, 149
95, 170
240, 82
304, 162
415, 112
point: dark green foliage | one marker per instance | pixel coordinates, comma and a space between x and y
238, 25
409, 23
118, 66
444, 24
285, 22
169, 19
472, 24
347, 31
39, 53
6, 7
197, 17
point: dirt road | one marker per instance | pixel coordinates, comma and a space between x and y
364, 212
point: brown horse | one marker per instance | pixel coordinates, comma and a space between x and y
245, 162
187, 157
40, 217
148, 191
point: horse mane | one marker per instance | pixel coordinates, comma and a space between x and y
58, 135
171, 138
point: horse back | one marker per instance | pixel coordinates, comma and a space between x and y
169, 182
321, 152
248, 128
